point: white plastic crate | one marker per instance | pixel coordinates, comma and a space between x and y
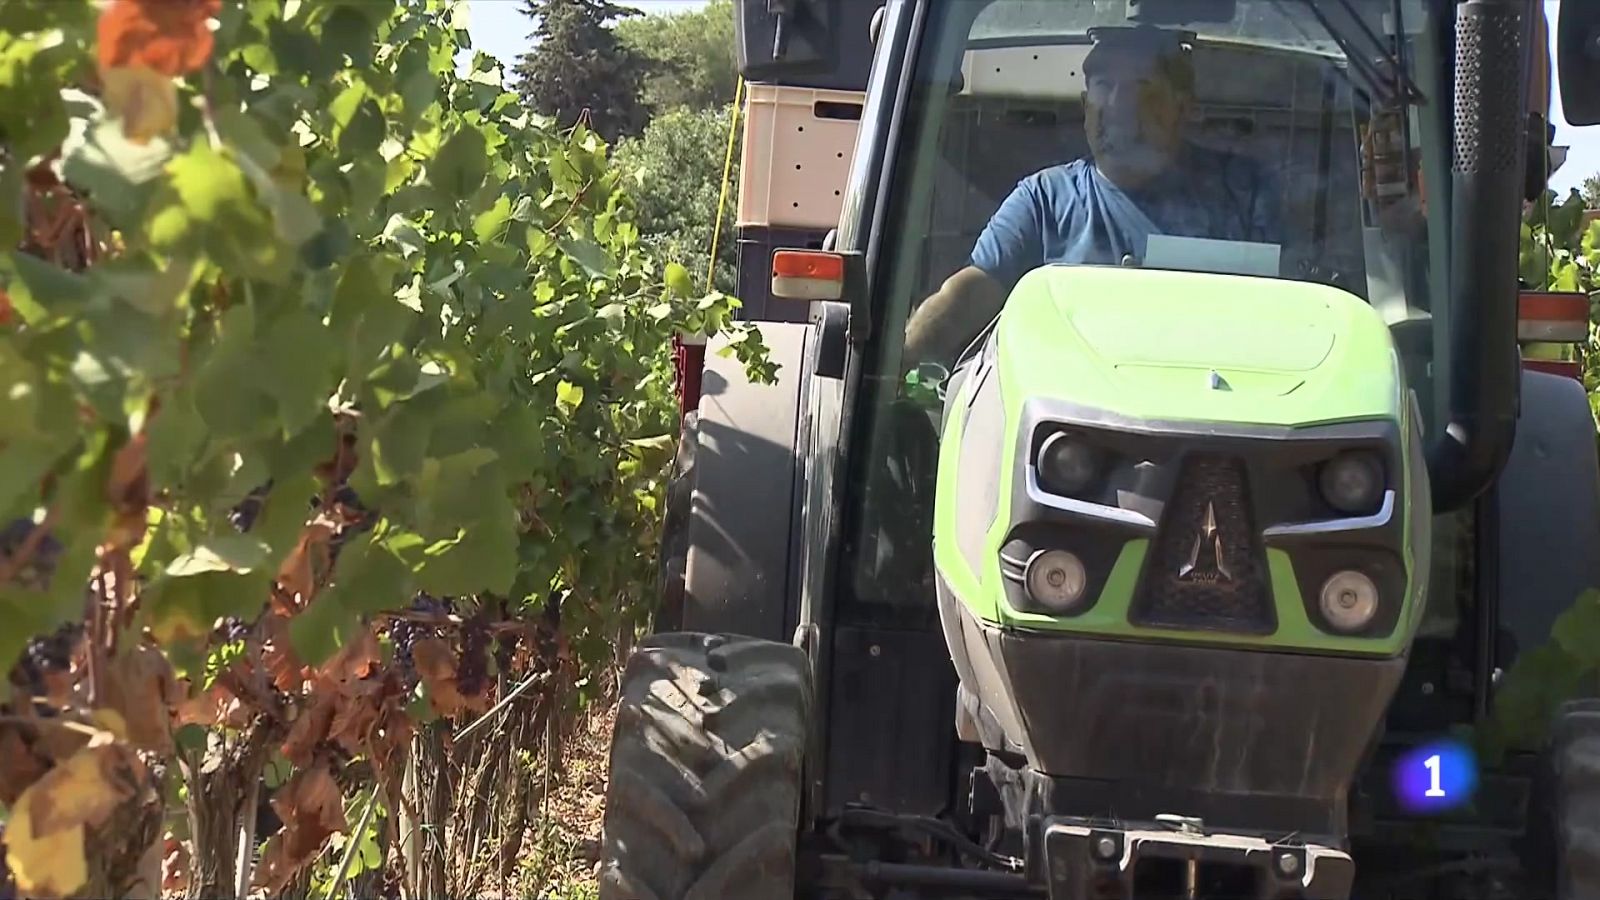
798, 143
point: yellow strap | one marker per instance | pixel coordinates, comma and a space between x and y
727, 176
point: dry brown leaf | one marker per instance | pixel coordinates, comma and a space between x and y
310, 728
389, 743
46, 830
141, 686
288, 674
218, 705
298, 574
84, 789
311, 810
56, 743
19, 766
59, 687
357, 711
436, 666
145, 101
355, 659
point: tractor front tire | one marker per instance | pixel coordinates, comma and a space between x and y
704, 795
1575, 756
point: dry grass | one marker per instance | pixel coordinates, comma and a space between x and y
559, 863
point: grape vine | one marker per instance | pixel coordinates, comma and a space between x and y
336, 383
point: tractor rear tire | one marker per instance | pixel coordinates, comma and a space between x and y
1575, 755
706, 770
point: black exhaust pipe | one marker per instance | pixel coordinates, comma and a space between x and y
1487, 176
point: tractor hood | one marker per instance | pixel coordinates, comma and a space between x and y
1154, 346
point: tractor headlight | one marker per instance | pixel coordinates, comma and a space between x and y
1066, 464
1056, 580
1353, 482
1349, 601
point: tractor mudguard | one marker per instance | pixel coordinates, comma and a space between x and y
1548, 510
739, 576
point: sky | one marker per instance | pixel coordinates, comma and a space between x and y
498, 27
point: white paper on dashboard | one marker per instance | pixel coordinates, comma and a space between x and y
1165, 251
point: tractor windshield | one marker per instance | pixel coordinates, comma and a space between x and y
1292, 141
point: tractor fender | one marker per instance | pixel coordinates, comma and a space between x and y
741, 567
1547, 505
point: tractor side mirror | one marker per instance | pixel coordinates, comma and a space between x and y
1578, 60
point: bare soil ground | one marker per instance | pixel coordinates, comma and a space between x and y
560, 865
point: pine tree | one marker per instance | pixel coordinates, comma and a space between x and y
577, 64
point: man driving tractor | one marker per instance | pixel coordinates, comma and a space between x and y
1143, 177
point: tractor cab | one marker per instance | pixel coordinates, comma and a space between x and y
1153, 501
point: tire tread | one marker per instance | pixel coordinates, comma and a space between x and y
706, 757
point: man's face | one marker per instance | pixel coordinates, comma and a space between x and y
1134, 113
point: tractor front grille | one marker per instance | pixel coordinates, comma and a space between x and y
1207, 570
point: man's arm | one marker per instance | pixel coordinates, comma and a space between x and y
941, 327
1011, 244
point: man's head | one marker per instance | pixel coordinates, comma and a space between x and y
1139, 84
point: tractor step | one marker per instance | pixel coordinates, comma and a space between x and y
1177, 858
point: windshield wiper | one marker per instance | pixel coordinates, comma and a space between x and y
1398, 80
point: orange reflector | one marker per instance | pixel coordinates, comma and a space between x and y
808, 264
1554, 367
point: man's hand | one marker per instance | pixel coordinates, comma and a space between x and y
944, 324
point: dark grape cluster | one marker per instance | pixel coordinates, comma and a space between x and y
505, 650
243, 515
36, 571
350, 504
232, 629
404, 632
46, 654
470, 666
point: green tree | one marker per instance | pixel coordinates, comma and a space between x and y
579, 65
676, 167
1591, 191
691, 56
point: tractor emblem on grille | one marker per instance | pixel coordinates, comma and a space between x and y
1207, 563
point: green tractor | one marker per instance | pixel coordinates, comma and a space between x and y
1155, 501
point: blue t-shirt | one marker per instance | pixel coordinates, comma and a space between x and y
1071, 213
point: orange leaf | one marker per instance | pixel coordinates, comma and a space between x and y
144, 100
169, 36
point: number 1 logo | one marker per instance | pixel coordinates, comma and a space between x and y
1434, 764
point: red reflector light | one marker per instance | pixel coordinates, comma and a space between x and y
1564, 306
1554, 367
808, 264
1557, 317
